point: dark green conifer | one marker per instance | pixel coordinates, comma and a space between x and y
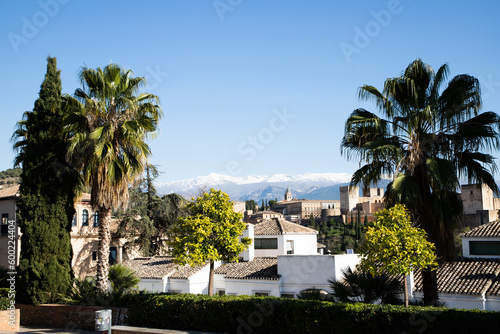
46, 197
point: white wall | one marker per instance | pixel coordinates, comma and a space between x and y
466, 249
299, 272
459, 301
153, 285
198, 282
271, 252
250, 287
493, 303
303, 244
249, 254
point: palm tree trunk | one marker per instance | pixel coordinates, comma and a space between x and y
103, 249
211, 279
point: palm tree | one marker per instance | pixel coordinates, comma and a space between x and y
362, 287
108, 127
429, 140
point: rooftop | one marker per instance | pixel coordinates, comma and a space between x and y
10, 192
469, 276
159, 267
278, 226
489, 230
261, 268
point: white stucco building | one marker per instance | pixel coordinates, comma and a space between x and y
282, 261
471, 282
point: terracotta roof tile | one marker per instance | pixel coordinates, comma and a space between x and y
489, 230
9, 192
159, 267
470, 276
262, 268
277, 226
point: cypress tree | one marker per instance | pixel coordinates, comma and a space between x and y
358, 225
46, 197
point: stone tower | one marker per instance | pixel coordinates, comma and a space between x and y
288, 195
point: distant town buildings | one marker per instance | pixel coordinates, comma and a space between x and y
480, 206
371, 200
302, 209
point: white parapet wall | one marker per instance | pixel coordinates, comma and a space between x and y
300, 272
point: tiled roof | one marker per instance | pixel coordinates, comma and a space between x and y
277, 226
262, 268
9, 192
489, 230
469, 276
159, 267
85, 197
320, 245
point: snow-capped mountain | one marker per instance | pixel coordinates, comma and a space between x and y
262, 187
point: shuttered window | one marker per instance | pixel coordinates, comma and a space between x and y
261, 243
484, 247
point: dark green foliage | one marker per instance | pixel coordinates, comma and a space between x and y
251, 205
11, 173
3, 277
4, 299
244, 314
149, 217
312, 294
362, 287
85, 292
47, 194
122, 279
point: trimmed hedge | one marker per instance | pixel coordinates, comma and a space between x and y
4, 299
244, 314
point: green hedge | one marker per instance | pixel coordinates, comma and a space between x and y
4, 299
244, 314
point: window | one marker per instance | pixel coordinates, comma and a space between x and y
73, 223
288, 295
289, 246
85, 218
261, 294
261, 243
5, 224
221, 292
94, 256
484, 247
96, 219
112, 255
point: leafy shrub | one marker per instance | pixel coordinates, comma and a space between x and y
4, 299
312, 294
359, 286
244, 314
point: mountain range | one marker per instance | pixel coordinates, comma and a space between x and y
313, 186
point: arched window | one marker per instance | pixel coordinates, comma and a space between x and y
96, 219
85, 218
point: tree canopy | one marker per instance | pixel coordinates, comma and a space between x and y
213, 232
428, 138
394, 246
46, 196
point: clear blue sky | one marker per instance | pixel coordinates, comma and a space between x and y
247, 87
